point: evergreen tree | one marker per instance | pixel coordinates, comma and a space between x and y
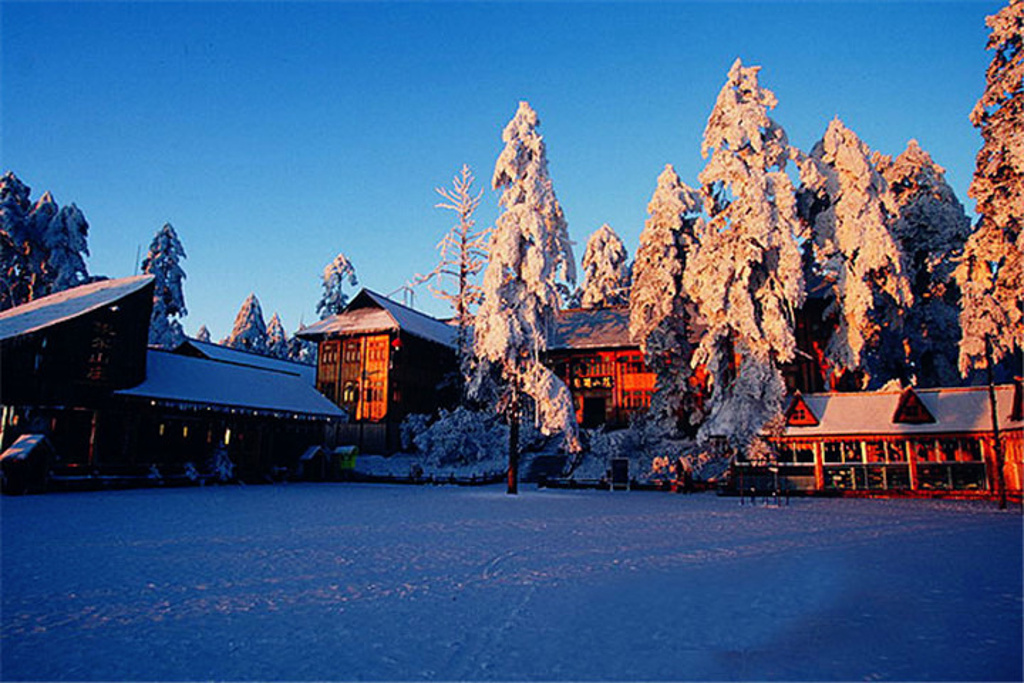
41, 244
857, 254
660, 310
249, 332
606, 271
14, 210
301, 351
463, 256
203, 334
745, 275
335, 275
65, 240
277, 339
931, 228
529, 249
163, 262
990, 274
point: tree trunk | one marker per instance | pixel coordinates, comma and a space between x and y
513, 440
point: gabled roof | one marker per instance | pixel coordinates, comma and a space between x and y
591, 328
799, 414
71, 303
178, 379
370, 312
956, 411
224, 354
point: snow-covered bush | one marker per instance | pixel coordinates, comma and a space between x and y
413, 425
463, 437
220, 464
652, 453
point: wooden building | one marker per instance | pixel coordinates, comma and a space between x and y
380, 361
76, 369
591, 352
915, 442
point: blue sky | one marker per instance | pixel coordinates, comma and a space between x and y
274, 135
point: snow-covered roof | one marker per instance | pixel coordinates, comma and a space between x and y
226, 354
173, 378
956, 411
591, 328
371, 312
71, 303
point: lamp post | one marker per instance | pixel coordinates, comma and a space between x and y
996, 441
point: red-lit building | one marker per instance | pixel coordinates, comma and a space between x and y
380, 361
919, 442
591, 352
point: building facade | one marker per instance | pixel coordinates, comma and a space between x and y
381, 361
77, 374
914, 442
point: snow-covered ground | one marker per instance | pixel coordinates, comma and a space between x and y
340, 582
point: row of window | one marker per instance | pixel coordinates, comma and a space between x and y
944, 449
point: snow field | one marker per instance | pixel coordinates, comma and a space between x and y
347, 582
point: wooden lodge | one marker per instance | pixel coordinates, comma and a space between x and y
591, 352
914, 442
77, 375
381, 361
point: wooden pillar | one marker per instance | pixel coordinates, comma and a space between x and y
819, 466
911, 464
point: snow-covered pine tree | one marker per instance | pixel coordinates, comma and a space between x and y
745, 275
606, 271
335, 275
931, 228
463, 255
41, 245
529, 249
277, 339
35, 254
859, 256
660, 311
14, 208
301, 351
163, 262
990, 274
65, 240
249, 332
203, 334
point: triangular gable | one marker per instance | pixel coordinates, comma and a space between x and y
799, 414
912, 410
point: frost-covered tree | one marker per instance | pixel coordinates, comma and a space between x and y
65, 240
745, 275
529, 249
930, 227
990, 274
163, 262
203, 334
859, 257
606, 271
660, 312
14, 209
336, 274
277, 338
250, 330
41, 245
463, 256
301, 351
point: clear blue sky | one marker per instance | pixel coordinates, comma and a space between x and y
274, 135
